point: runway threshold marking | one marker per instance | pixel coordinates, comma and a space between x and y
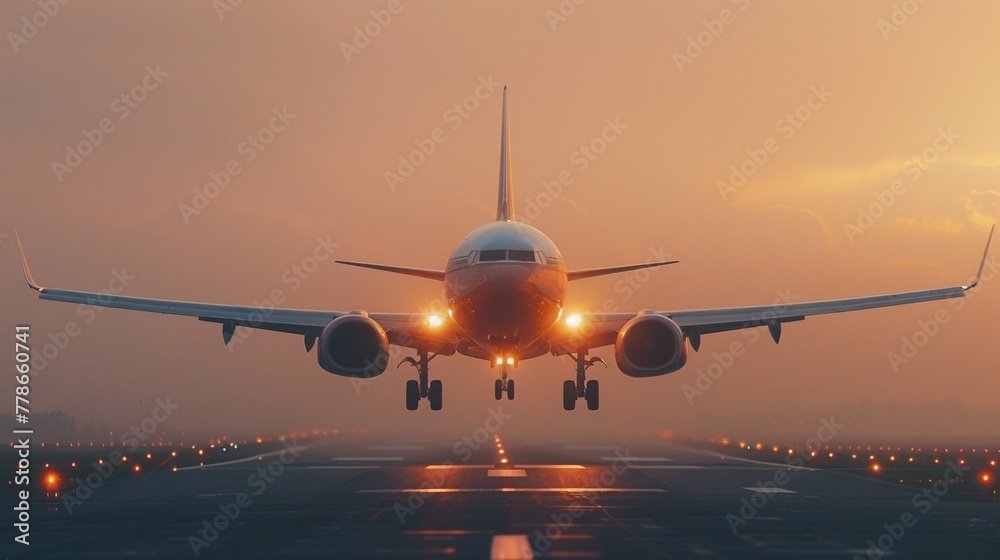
769, 490
511, 547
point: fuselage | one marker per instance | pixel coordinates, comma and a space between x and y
505, 284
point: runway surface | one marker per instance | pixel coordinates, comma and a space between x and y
328, 498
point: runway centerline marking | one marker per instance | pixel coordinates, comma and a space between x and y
511, 547
394, 447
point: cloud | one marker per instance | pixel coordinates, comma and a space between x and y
983, 206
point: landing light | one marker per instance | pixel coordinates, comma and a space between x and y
510, 361
573, 321
499, 361
435, 320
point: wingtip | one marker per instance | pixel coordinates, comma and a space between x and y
24, 263
982, 263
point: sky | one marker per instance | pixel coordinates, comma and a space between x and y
783, 151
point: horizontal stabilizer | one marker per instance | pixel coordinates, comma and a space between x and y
591, 272
421, 272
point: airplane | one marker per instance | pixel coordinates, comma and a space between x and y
505, 286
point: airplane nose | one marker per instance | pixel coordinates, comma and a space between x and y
509, 278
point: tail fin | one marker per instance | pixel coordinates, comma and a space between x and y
505, 199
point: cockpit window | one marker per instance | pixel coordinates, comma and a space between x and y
497, 255
520, 255
492, 255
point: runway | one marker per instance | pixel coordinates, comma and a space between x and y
330, 498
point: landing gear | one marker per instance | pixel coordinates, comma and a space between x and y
569, 395
412, 394
582, 389
419, 388
503, 385
434, 394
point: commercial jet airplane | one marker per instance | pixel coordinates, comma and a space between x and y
506, 289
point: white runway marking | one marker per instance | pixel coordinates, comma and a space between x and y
394, 447
769, 490
511, 547
506, 473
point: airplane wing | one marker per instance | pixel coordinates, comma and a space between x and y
597, 329
403, 329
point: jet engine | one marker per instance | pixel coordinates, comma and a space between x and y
649, 345
353, 345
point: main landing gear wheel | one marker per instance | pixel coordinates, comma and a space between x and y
569, 395
498, 389
582, 389
419, 388
434, 394
592, 395
412, 394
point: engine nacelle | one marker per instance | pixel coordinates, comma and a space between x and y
353, 345
650, 345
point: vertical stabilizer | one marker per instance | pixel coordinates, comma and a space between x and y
505, 199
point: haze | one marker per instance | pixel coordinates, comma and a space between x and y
770, 148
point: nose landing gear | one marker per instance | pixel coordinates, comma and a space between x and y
504, 385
